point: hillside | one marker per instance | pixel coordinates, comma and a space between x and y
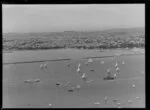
112, 38
111, 32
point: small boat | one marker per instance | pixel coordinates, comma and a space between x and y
37, 80
32, 81
78, 87
84, 77
29, 81
78, 70
109, 78
92, 70
117, 69
79, 65
90, 60
71, 89
58, 84
116, 65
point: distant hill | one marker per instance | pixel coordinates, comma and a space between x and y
105, 33
126, 31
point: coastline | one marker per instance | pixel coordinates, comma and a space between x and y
101, 50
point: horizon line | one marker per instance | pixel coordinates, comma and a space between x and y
94, 30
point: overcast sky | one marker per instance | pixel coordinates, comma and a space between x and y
52, 18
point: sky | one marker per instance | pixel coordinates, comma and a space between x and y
79, 17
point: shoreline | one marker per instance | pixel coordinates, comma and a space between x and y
102, 50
